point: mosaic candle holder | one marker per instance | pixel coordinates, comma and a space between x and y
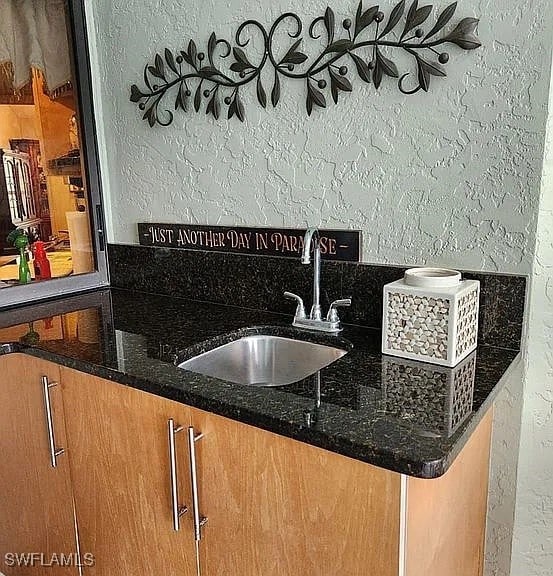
434, 399
431, 315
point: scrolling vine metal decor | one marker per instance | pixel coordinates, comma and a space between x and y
189, 69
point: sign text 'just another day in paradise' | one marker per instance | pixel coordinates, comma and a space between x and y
341, 245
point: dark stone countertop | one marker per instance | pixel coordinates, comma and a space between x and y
409, 417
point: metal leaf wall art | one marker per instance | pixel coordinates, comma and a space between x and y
193, 78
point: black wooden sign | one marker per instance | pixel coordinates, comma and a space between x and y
344, 245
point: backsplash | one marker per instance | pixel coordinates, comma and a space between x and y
258, 282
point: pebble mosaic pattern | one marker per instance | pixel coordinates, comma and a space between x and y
415, 393
437, 399
418, 324
463, 392
467, 322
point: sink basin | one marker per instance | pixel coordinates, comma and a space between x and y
264, 360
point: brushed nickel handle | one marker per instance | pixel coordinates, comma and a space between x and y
199, 520
177, 510
332, 315
300, 308
54, 452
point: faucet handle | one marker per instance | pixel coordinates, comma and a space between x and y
300, 308
332, 315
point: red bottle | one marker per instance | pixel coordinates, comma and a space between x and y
41, 263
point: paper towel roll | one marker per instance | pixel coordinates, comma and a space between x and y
88, 326
78, 225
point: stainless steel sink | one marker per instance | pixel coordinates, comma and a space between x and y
264, 360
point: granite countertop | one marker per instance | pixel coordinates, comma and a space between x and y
408, 417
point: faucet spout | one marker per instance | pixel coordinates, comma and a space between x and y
306, 254
312, 234
315, 321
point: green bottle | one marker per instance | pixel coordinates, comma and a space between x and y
20, 240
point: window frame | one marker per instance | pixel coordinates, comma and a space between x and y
56, 287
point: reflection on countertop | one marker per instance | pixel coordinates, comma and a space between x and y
405, 416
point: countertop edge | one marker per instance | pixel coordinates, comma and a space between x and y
440, 466
426, 469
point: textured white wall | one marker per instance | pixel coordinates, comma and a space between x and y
503, 473
450, 177
533, 536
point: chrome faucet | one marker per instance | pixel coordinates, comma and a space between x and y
315, 321
312, 234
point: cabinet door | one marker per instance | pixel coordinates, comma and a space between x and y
278, 507
36, 504
120, 465
446, 518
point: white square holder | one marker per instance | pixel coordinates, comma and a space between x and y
431, 315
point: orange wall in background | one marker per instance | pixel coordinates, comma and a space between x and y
17, 121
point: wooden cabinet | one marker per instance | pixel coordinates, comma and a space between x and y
36, 504
278, 507
445, 523
121, 478
274, 506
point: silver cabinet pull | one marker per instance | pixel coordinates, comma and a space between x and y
199, 520
54, 452
178, 510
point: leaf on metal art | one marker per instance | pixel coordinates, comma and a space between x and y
415, 17
239, 67
159, 66
293, 56
185, 56
181, 100
443, 19
364, 19
211, 44
377, 75
239, 108
464, 34
423, 76
180, 73
151, 115
275, 92
170, 59
329, 21
154, 71
261, 96
342, 83
240, 56
236, 108
334, 91
388, 67
433, 68
208, 71
339, 46
395, 17
309, 104
192, 52
362, 68
231, 110
213, 106
410, 17
242, 63
136, 94
315, 96
198, 97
